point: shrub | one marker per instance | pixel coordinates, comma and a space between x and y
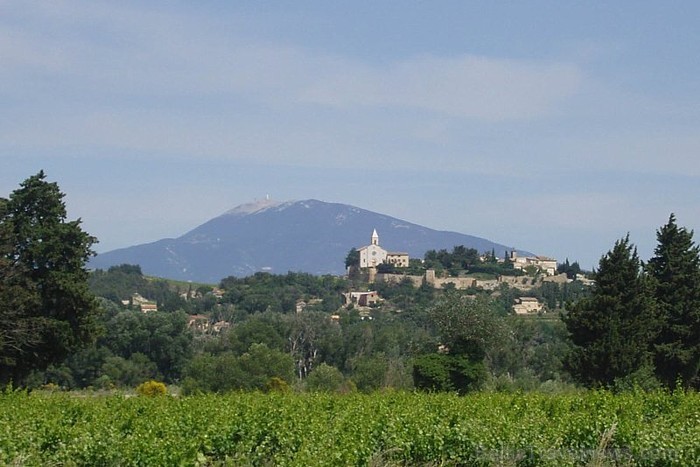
151, 388
440, 372
326, 378
276, 384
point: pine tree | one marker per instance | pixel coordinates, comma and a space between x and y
45, 255
675, 269
613, 330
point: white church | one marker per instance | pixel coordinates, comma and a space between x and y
373, 255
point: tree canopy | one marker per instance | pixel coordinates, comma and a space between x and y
675, 269
46, 308
469, 328
613, 330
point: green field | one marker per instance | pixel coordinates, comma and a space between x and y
588, 428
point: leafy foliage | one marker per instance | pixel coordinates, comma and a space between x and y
161, 337
470, 329
120, 283
448, 373
326, 378
370, 373
46, 309
151, 389
226, 372
531, 353
468, 325
280, 293
353, 258
462, 259
570, 269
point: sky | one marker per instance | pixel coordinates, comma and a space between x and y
556, 127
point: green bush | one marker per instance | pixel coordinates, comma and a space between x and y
276, 384
151, 388
447, 373
326, 378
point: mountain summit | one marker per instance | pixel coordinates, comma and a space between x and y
252, 207
306, 236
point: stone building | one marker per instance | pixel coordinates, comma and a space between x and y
527, 305
373, 255
545, 264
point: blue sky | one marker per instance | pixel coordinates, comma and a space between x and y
553, 126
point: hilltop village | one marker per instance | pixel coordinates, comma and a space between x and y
523, 273
371, 268
373, 265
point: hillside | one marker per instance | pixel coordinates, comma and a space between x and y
305, 236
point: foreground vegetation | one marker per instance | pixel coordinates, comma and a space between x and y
392, 428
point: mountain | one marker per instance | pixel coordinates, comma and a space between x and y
306, 236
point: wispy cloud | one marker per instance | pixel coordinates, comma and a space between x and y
113, 78
475, 87
120, 52
123, 77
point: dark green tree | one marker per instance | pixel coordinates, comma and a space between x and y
213, 373
17, 293
369, 372
162, 337
261, 328
129, 372
226, 372
45, 254
470, 329
675, 268
325, 378
571, 269
260, 364
533, 351
447, 373
353, 258
613, 330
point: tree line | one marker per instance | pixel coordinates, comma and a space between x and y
639, 326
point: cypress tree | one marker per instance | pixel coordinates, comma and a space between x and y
613, 330
675, 269
43, 255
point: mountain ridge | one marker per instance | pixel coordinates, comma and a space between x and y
302, 236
